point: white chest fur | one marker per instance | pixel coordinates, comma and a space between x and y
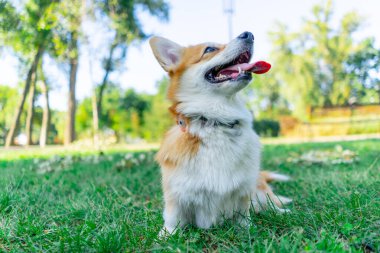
224, 163
212, 184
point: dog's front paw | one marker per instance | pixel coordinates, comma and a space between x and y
282, 210
166, 232
244, 221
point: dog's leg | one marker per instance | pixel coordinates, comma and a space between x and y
172, 215
205, 216
242, 215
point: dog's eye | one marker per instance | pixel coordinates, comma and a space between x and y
210, 49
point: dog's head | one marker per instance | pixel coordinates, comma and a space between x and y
208, 68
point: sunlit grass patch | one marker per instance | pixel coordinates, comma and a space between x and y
112, 202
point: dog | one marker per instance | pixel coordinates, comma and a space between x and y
210, 159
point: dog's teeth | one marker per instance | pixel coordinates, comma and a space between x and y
221, 77
239, 70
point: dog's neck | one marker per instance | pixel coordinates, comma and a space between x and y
211, 112
184, 122
224, 110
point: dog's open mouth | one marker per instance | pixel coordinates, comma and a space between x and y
238, 69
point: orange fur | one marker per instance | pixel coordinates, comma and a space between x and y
265, 176
263, 186
176, 147
190, 55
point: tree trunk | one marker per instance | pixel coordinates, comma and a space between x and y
12, 131
30, 114
95, 120
103, 85
70, 123
46, 113
71, 109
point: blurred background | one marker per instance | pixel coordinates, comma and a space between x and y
81, 71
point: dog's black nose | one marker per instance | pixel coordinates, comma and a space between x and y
246, 36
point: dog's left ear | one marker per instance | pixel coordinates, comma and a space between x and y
167, 52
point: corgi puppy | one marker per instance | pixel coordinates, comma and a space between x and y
210, 159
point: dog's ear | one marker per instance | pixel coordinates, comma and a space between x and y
167, 53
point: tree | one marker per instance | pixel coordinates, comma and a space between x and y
124, 112
66, 36
312, 63
157, 118
364, 67
135, 105
122, 19
29, 80
30, 111
73, 62
45, 125
27, 33
8, 101
84, 117
264, 96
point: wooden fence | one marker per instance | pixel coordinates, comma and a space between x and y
333, 121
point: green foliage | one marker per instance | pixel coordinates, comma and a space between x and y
124, 113
127, 118
84, 118
28, 28
158, 119
314, 66
8, 101
265, 98
54, 27
364, 66
133, 101
129, 114
8, 17
267, 128
67, 29
84, 203
57, 127
121, 18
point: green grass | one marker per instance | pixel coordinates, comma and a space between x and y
98, 204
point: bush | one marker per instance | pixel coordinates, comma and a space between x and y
267, 127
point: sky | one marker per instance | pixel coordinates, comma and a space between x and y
191, 22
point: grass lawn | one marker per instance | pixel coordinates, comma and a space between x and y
113, 203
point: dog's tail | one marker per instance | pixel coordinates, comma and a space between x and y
264, 198
272, 176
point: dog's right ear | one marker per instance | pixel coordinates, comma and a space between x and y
167, 53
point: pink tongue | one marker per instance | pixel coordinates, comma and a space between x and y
259, 67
